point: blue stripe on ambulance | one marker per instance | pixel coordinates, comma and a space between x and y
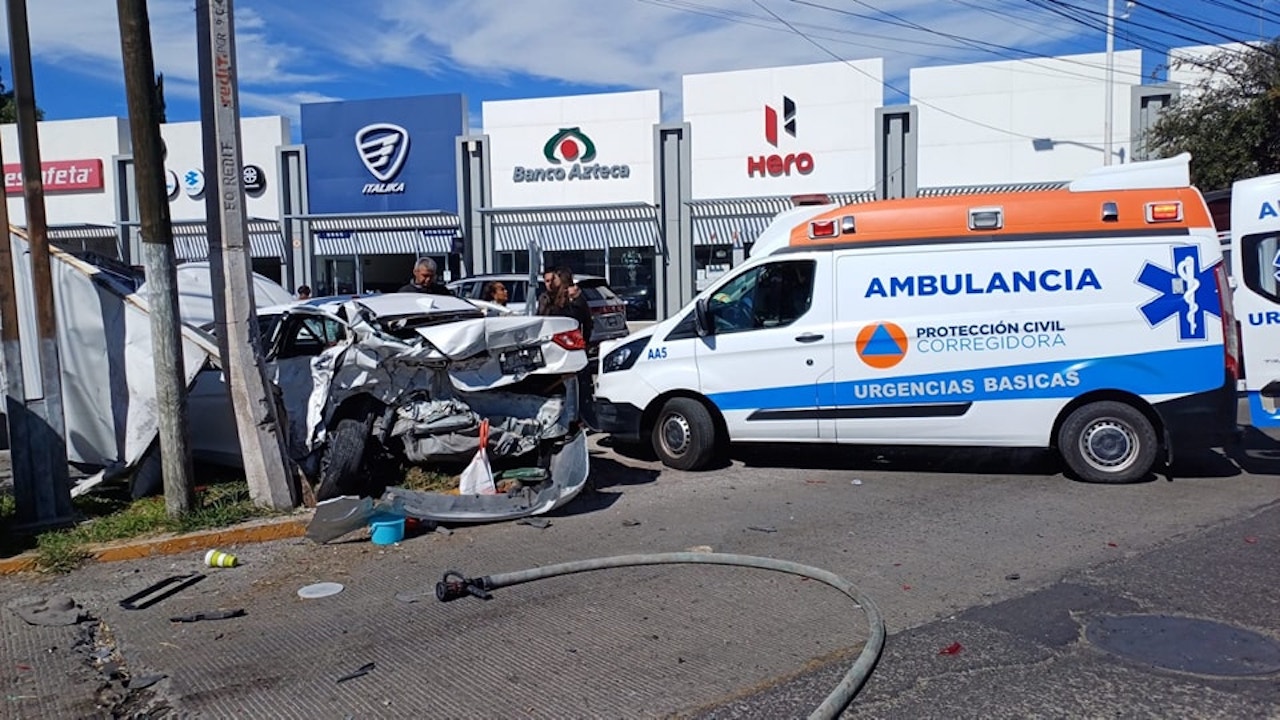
1166, 372
1260, 416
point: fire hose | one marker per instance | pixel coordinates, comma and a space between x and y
455, 585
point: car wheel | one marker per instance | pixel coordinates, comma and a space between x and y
342, 469
1108, 442
684, 437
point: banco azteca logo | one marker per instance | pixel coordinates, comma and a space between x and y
788, 120
569, 145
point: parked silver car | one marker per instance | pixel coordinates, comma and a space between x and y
608, 311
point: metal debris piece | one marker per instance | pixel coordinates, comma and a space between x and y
540, 523
361, 672
210, 615
763, 528
149, 596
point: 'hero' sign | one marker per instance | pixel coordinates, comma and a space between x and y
58, 176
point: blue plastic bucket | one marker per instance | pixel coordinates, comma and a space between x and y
386, 529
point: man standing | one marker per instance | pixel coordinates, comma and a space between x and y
424, 279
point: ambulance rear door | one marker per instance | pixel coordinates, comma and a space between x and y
1255, 267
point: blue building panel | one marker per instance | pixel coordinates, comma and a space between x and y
384, 155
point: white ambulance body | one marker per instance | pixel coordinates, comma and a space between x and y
1255, 260
1093, 319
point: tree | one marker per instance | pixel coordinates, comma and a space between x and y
1229, 121
9, 108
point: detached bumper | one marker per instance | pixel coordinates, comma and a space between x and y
621, 420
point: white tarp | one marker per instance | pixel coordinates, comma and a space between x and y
104, 344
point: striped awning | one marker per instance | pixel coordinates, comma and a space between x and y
191, 241
560, 229
81, 232
385, 242
739, 221
416, 221
951, 190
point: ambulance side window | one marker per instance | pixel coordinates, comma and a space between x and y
766, 296
1260, 258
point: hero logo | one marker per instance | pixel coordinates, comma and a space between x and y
776, 165
383, 148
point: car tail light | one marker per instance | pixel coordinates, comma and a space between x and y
605, 309
1230, 331
570, 340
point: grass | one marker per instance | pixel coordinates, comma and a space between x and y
109, 516
417, 478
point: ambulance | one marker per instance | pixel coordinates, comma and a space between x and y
1255, 271
1095, 319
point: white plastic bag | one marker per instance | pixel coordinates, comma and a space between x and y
477, 478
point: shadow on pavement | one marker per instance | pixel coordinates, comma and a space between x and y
1004, 461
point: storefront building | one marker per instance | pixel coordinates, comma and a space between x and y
381, 190
80, 190
761, 137
571, 183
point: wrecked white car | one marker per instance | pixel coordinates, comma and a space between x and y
369, 383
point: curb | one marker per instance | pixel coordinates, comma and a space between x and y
283, 528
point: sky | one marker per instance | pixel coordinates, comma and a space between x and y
293, 52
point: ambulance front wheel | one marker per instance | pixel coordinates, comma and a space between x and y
1108, 442
684, 437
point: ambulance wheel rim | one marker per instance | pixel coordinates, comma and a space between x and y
1109, 444
676, 434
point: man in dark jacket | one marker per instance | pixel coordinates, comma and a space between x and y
424, 279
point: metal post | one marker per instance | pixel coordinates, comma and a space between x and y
674, 264
1111, 76
266, 464
45, 496
157, 252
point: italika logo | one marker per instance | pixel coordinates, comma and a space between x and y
570, 152
569, 145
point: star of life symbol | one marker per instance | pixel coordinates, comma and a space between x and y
383, 148
1188, 291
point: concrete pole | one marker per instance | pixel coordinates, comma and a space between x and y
48, 490
266, 464
157, 252
1110, 82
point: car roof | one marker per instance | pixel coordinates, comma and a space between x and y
507, 277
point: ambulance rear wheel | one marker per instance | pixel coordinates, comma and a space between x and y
684, 437
1108, 442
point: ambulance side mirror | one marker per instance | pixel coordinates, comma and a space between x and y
702, 319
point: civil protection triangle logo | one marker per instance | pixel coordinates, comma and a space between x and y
569, 145
383, 148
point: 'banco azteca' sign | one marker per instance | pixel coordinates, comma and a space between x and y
572, 147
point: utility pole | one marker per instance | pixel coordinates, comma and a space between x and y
157, 253
1110, 82
262, 443
43, 497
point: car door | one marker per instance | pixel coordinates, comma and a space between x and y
769, 349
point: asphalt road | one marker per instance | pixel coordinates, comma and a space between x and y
996, 551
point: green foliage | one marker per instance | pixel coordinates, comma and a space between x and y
9, 107
1229, 122
107, 517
